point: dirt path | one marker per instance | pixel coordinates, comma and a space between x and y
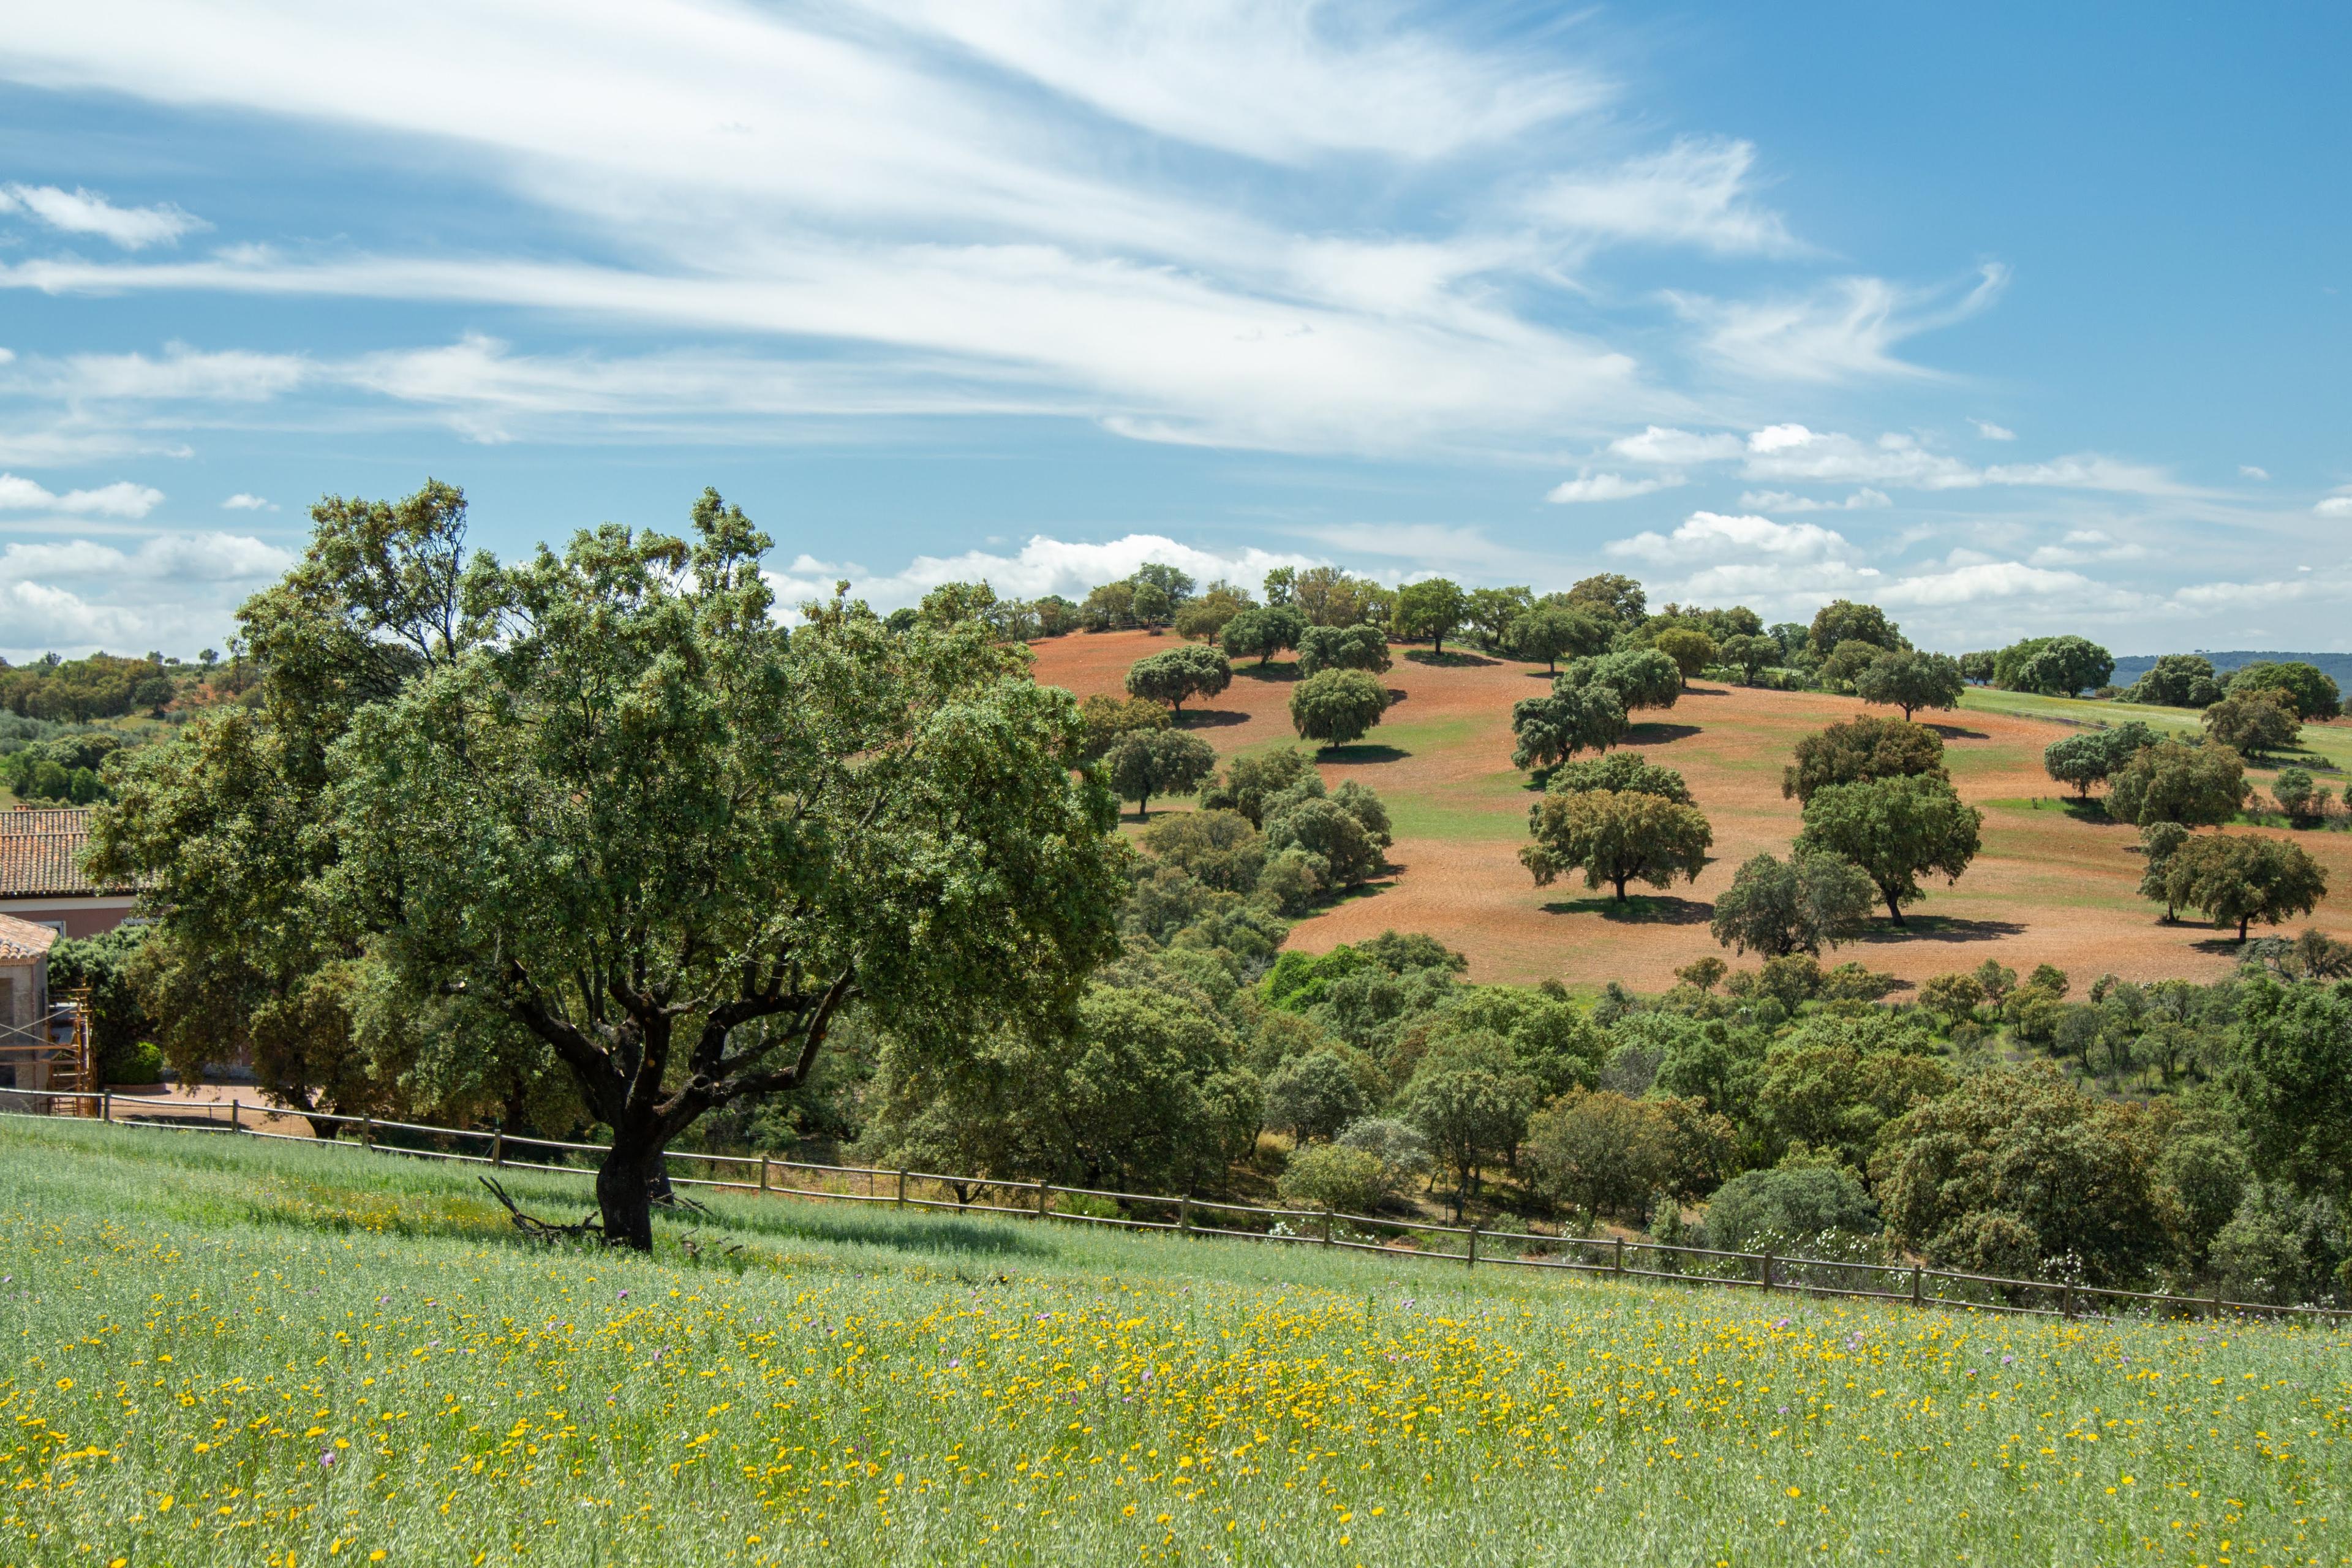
2050, 886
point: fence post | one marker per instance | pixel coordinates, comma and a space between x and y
763, 1171
367, 1130
498, 1144
106, 1105
235, 1117
1184, 1212
2066, 1299
1617, 1258
1768, 1271
1470, 1259
902, 1190
1327, 1228
1041, 1200
1914, 1284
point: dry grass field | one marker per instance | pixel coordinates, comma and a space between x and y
2052, 885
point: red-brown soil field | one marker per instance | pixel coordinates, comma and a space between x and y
2052, 885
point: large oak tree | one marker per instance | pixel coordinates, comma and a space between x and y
626, 810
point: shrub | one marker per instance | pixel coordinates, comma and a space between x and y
1332, 1176
1809, 900
1402, 1151
2255, 721
1796, 1200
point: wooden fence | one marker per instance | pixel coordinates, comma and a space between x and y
1469, 1247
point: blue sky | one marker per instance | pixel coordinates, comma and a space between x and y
2016, 319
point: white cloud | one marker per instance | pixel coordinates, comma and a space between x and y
1695, 193
121, 499
2337, 505
2248, 471
245, 500
86, 212
175, 591
1794, 452
1846, 329
2087, 544
1043, 566
1287, 82
1660, 443
1863, 499
1591, 487
1994, 580
1708, 533
1992, 432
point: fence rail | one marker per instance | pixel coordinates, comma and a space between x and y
1611, 1257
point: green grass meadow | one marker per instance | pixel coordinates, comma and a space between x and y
235, 1352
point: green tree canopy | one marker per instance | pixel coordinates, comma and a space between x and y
1613, 594
1860, 749
1180, 673
1615, 837
1894, 829
2014, 1168
2173, 781
1787, 1201
1692, 650
2055, 666
2311, 695
1316, 1093
1336, 707
673, 841
1263, 632
1752, 653
1254, 778
1552, 632
2239, 877
1434, 608
1910, 679
1145, 762
1641, 677
2290, 1067
2177, 681
1357, 646
1811, 901
1622, 770
1835, 625
1551, 730
1106, 718
2254, 722
2090, 758
1492, 611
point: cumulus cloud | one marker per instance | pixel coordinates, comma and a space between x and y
121, 499
1592, 487
2248, 471
80, 211
1992, 432
172, 591
2087, 544
245, 500
1042, 565
2337, 505
1705, 534
1863, 499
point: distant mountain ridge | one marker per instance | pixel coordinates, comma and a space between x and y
2335, 666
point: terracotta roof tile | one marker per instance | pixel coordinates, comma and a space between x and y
40, 853
22, 940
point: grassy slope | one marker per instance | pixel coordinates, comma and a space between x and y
2052, 884
200, 1324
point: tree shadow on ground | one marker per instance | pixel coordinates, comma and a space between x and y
2226, 945
1659, 735
1939, 928
1541, 674
1639, 909
1457, 660
1396, 694
1362, 752
1210, 719
1275, 671
1956, 731
1705, 691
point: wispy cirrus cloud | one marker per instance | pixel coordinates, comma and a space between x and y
79, 211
